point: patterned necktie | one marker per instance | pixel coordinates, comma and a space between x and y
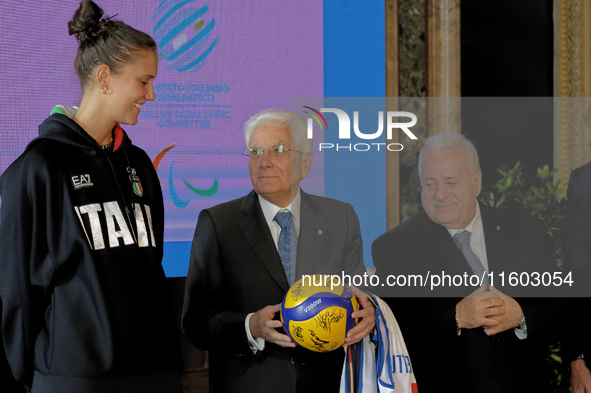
288, 244
463, 240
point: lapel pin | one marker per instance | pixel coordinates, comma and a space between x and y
498, 228
319, 232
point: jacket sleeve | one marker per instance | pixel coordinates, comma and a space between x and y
542, 309
578, 231
206, 319
577, 262
25, 265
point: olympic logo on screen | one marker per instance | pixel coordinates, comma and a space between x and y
184, 31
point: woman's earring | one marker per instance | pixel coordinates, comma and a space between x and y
104, 90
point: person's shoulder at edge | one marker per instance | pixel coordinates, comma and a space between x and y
583, 170
406, 229
579, 182
325, 204
231, 207
34, 159
512, 216
323, 200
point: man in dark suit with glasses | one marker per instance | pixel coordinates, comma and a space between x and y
247, 252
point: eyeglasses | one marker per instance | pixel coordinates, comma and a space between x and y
275, 152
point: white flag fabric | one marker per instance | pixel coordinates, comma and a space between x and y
380, 362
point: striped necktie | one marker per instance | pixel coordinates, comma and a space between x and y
287, 244
463, 240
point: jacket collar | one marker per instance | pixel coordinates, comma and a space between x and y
256, 231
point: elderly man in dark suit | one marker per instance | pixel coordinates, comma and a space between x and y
242, 264
463, 337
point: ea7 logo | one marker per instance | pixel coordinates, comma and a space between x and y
345, 123
81, 181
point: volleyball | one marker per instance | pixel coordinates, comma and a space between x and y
316, 314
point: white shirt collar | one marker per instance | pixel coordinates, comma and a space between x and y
474, 227
270, 210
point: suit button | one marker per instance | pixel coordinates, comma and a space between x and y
292, 361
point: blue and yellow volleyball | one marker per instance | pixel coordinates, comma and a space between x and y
317, 315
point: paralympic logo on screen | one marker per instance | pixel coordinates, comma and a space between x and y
344, 129
184, 31
178, 202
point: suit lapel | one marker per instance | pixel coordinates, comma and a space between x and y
312, 229
257, 234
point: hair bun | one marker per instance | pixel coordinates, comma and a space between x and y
86, 22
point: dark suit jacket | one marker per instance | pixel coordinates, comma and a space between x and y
235, 269
471, 362
577, 337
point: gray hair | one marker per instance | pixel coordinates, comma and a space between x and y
297, 124
450, 140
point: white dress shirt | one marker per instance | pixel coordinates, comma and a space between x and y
269, 211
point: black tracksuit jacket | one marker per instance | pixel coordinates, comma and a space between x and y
85, 303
